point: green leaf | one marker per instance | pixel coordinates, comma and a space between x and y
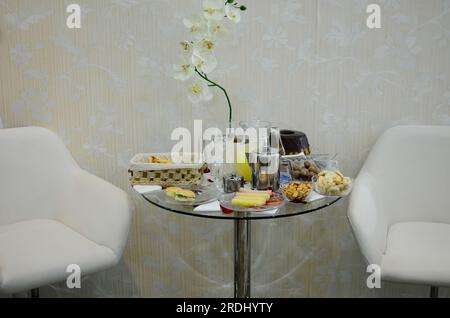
243, 8
230, 1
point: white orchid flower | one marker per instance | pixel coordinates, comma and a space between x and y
197, 25
234, 14
204, 46
216, 30
199, 91
199, 50
183, 71
187, 47
205, 63
213, 9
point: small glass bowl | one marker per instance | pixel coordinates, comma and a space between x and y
302, 200
300, 161
342, 194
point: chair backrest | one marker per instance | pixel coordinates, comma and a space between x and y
410, 170
34, 164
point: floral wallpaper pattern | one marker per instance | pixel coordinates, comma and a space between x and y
312, 65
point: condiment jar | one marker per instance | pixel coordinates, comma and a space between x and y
232, 183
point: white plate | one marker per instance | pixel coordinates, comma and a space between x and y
225, 203
203, 195
344, 193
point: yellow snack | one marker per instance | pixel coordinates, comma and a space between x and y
185, 195
172, 189
332, 183
297, 191
155, 159
180, 194
248, 201
253, 195
244, 190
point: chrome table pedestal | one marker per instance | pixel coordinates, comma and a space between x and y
242, 258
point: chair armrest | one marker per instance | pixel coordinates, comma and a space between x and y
97, 210
367, 220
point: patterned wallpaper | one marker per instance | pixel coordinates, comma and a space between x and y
107, 90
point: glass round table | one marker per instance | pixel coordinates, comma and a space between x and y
242, 227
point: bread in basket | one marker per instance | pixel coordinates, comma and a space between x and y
186, 169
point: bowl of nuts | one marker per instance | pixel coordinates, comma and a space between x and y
297, 191
332, 183
304, 170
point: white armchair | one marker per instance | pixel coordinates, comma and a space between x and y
53, 214
400, 206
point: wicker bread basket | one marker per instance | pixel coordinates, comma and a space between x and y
189, 172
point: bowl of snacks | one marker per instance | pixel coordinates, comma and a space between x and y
304, 170
332, 183
297, 191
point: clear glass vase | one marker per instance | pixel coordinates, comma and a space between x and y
219, 161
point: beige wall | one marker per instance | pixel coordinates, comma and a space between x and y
311, 65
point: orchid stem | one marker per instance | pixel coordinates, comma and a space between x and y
212, 84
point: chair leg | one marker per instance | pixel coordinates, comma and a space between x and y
34, 293
434, 292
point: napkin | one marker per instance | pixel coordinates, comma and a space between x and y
212, 206
314, 196
215, 207
146, 188
268, 211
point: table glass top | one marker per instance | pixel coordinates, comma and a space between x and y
288, 209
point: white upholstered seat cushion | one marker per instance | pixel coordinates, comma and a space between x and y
417, 252
36, 252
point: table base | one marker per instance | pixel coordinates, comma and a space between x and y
242, 258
